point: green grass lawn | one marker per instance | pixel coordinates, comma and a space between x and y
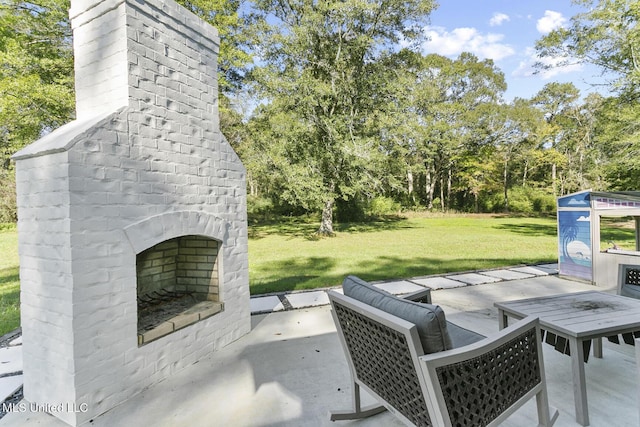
9, 281
286, 256
618, 230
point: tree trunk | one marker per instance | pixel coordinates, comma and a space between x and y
449, 186
505, 184
253, 190
429, 188
553, 180
410, 185
326, 224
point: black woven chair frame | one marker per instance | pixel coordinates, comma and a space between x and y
475, 395
387, 368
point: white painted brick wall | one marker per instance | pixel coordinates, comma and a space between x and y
100, 49
45, 277
155, 166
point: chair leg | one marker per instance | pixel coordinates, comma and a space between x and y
547, 415
637, 344
358, 411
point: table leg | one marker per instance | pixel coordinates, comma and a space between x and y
503, 320
597, 348
579, 381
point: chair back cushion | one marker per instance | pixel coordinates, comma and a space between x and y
429, 319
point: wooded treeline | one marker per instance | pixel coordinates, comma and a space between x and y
334, 110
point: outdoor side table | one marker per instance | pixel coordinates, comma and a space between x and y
578, 318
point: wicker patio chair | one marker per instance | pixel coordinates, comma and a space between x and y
629, 280
628, 286
479, 384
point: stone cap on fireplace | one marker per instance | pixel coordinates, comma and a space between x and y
65, 137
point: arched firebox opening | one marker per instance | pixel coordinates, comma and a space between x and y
178, 284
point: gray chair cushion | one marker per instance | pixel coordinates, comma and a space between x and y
429, 319
461, 336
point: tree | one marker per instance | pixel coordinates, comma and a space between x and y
36, 64
570, 144
454, 96
36, 72
402, 126
618, 133
607, 34
512, 130
36, 81
555, 100
234, 31
321, 70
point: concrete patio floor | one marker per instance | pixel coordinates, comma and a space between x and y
290, 371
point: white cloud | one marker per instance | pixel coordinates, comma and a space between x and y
526, 69
466, 39
577, 202
555, 69
550, 21
498, 18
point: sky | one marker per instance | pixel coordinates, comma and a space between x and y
506, 31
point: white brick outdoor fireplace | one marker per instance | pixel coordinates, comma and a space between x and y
132, 218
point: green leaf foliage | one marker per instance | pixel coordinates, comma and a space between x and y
606, 34
322, 80
36, 71
233, 31
619, 131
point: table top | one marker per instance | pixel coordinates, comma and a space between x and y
582, 314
